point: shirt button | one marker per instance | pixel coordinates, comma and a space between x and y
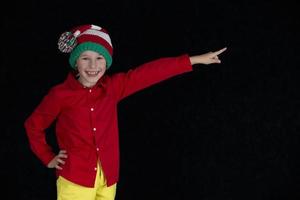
95, 168
97, 149
90, 90
92, 109
94, 129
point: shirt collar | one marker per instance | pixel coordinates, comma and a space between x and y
75, 84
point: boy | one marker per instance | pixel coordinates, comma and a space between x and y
85, 109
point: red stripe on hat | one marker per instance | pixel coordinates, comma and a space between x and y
96, 39
81, 28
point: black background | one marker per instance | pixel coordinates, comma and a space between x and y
228, 131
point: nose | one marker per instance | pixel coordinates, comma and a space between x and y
93, 64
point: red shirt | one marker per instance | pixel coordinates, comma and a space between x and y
86, 119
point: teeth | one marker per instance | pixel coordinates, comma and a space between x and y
92, 73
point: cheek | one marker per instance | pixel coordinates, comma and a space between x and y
80, 73
79, 67
102, 63
103, 68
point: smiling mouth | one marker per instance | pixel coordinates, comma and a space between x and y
92, 73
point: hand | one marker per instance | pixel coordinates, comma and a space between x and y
207, 58
58, 160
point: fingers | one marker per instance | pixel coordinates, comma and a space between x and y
60, 159
214, 55
58, 167
62, 154
216, 61
59, 163
219, 51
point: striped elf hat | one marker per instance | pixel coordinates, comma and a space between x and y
83, 38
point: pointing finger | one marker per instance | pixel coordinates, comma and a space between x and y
220, 51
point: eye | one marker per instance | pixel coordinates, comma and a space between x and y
99, 57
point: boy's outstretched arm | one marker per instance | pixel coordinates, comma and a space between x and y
207, 58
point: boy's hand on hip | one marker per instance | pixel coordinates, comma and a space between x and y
58, 160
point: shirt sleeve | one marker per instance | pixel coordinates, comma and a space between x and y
36, 124
150, 73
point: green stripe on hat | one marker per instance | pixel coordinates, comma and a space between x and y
89, 46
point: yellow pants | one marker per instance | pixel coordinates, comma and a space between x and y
67, 190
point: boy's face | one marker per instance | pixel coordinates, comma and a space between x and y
91, 67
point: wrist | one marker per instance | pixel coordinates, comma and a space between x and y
192, 60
